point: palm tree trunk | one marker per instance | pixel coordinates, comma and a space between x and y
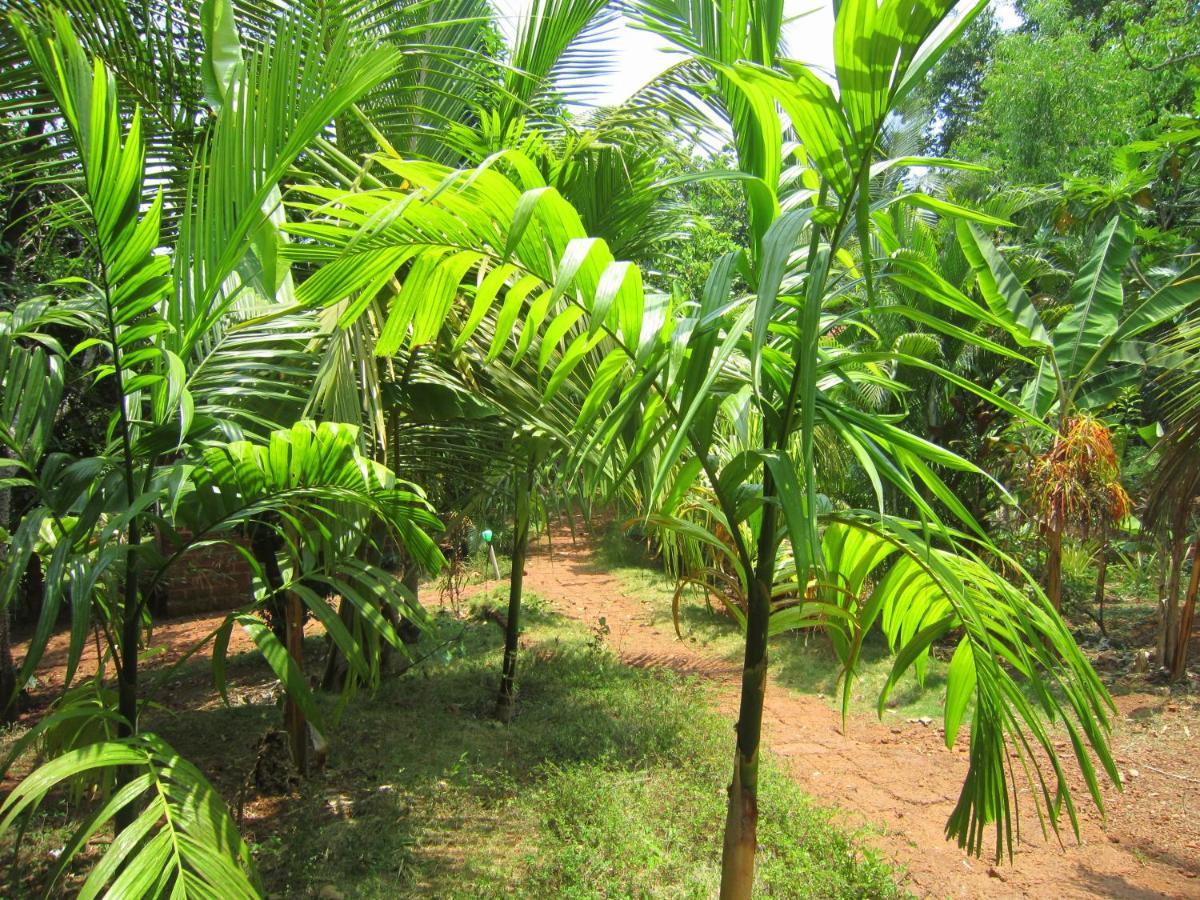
33, 587
505, 700
264, 543
337, 669
1054, 566
293, 716
130, 610
741, 818
409, 633
1102, 576
127, 670
8, 669
1168, 622
1187, 618
8, 672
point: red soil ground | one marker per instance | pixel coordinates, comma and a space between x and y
902, 781
899, 780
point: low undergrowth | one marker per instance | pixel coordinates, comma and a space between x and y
801, 661
609, 783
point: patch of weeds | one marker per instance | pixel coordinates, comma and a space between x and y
657, 831
610, 782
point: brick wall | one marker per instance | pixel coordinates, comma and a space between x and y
213, 578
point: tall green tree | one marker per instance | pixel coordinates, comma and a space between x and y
157, 322
1059, 95
660, 374
953, 93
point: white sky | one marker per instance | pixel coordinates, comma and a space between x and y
640, 55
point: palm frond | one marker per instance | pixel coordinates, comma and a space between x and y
182, 841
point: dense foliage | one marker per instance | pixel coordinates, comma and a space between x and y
333, 277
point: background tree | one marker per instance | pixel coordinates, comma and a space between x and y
953, 93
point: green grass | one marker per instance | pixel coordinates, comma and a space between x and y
803, 662
610, 782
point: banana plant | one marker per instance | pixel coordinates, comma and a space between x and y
1099, 346
1097, 349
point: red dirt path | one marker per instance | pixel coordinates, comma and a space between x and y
902, 780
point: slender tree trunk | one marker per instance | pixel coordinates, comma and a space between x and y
33, 588
1164, 575
1054, 566
8, 673
293, 717
287, 623
8, 669
127, 671
409, 633
505, 700
741, 818
1102, 577
1187, 617
1168, 623
264, 543
337, 669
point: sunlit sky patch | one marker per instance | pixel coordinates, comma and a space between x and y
639, 55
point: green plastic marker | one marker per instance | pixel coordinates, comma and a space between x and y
486, 534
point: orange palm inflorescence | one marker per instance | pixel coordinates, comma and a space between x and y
1075, 485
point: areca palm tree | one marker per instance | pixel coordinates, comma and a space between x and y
878, 56
189, 461
1171, 501
660, 373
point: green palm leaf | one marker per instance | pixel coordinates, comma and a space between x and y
182, 841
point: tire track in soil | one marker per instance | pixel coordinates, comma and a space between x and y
898, 780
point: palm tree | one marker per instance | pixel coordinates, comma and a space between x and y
188, 463
1170, 508
878, 58
658, 372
